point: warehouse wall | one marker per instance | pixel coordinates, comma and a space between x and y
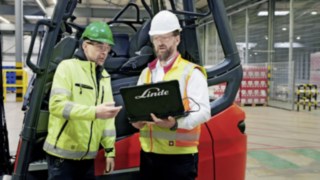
9, 49
251, 34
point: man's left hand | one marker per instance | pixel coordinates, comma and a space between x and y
165, 123
109, 165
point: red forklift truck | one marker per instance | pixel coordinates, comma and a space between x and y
223, 142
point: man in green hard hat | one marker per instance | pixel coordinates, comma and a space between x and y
82, 109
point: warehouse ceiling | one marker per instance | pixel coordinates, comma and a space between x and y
86, 11
90, 10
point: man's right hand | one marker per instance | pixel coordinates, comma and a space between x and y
107, 110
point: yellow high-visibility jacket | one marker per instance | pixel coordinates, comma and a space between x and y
163, 140
73, 130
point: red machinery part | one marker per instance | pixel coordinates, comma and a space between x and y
222, 149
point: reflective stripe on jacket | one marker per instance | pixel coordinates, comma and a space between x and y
162, 140
73, 130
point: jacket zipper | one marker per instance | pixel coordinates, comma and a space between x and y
60, 132
90, 137
102, 94
97, 95
95, 84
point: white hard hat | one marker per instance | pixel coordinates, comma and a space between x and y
164, 22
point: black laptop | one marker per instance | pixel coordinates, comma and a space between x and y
162, 99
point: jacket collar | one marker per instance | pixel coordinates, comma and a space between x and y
79, 54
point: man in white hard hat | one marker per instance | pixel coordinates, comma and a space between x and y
169, 146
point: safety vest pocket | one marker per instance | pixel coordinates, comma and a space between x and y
83, 86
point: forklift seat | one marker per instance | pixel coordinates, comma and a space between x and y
123, 127
63, 50
121, 45
140, 53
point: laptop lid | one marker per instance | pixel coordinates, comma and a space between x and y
162, 99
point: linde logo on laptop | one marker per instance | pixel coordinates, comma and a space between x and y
153, 92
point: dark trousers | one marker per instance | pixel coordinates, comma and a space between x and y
69, 169
166, 167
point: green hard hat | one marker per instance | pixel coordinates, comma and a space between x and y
98, 31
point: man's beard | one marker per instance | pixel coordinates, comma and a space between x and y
164, 56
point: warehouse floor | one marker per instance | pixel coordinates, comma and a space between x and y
282, 145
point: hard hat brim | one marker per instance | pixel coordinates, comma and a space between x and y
152, 33
102, 41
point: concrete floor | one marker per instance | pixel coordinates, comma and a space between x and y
14, 118
282, 145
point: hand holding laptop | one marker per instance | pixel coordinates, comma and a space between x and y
165, 123
107, 110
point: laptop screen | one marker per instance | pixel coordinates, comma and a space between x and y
162, 99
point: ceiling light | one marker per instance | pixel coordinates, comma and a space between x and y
263, 13
4, 20
54, 1
41, 6
284, 29
32, 17
281, 13
287, 45
277, 13
298, 37
314, 13
242, 45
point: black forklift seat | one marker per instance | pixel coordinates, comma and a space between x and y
121, 45
139, 54
63, 50
123, 127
